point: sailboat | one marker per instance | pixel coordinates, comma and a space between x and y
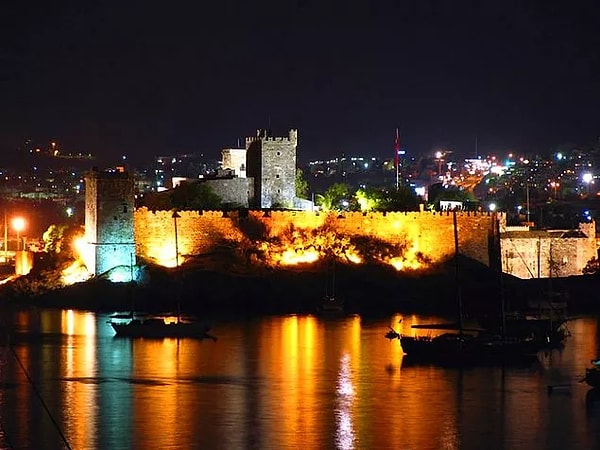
134, 326
330, 304
544, 320
461, 345
159, 327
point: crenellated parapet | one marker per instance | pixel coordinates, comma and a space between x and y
428, 233
265, 136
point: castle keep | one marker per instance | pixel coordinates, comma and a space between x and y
109, 211
271, 162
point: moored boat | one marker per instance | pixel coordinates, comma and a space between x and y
464, 346
159, 328
468, 349
592, 374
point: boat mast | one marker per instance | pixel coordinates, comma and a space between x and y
175, 217
333, 279
458, 292
496, 223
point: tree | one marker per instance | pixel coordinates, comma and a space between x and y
195, 196
59, 241
437, 193
53, 238
332, 198
369, 199
402, 199
156, 201
301, 185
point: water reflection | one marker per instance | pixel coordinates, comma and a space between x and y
345, 397
282, 382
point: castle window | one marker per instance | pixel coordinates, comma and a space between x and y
276, 175
278, 153
279, 191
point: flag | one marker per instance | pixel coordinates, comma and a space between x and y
397, 149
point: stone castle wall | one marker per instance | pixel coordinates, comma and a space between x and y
109, 217
429, 233
236, 191
548, 254
271, 162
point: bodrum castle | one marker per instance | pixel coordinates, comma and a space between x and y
274, 227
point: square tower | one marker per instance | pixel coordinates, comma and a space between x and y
271, 161
109, 207
234, 159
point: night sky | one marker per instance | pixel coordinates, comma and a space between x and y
156, 78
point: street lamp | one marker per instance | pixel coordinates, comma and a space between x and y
555, 185
587, 179
18, 224
439, 156
176, 216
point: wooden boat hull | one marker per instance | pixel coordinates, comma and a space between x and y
592, 377
453, 348
156, 328
331, 306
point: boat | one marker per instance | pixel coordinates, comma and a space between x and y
592, 374
160, 328
461, 345
544, 318
330, 304
154, 327
464, 348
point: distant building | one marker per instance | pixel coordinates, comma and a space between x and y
529, 253
109, 207
234, 159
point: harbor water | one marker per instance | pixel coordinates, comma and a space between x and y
282, 382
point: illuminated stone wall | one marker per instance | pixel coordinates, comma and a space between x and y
271, 162
109, 211
548, 253
202, 232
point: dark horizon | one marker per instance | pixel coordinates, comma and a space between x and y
145, 80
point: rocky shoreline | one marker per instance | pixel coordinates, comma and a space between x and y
232, 290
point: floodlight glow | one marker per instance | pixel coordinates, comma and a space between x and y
18, 224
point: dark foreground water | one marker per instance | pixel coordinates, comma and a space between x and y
280, 383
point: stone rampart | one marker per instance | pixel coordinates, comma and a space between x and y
430, 233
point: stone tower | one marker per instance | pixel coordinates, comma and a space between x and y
234, 159
109, 207
271, 161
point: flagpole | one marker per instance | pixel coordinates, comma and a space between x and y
397, 158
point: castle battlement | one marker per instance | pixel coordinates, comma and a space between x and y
265, 136
427, 233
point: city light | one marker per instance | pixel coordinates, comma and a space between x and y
18, 224
587, 179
